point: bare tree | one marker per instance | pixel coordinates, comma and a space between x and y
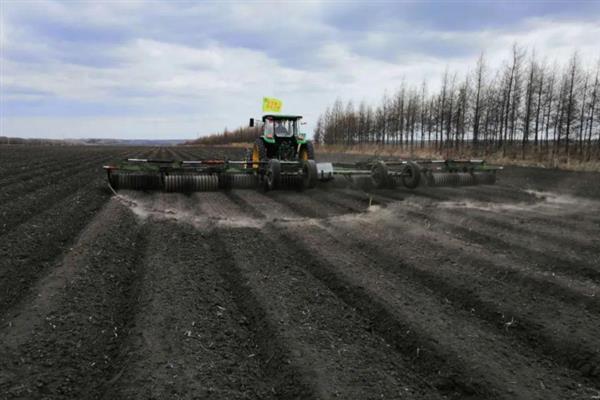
592, 109
479, 82
572, 82
520, 104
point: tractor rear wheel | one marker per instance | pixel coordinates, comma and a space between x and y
259, 153
307, 152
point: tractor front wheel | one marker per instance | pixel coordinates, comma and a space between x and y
307, 152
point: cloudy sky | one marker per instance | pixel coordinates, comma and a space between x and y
179, 69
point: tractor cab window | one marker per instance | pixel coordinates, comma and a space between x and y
282, 129
287, 128
268, 128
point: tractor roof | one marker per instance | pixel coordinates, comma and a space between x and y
278, 116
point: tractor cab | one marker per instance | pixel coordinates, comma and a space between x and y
281, 126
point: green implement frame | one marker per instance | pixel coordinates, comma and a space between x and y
205, 175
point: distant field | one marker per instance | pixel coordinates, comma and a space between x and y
473, 292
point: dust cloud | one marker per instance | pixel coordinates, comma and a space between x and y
543, 202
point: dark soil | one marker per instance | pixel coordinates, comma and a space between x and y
487, 292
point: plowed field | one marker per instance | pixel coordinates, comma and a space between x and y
488, 292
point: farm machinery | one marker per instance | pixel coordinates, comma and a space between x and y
281, 158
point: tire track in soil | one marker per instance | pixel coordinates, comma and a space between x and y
54, 164
19, 161
190, 338
28, 188
547, 259
507, 222
22, 208
574, 244
576, 292
514, 271
511, 199
338, 356
27, 172
449, 345
436, 369
251, 259
530, 213
559, 332
62, 341
181, 154
29, 249
51, 159
298, 204
375, 308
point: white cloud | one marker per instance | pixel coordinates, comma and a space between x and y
207, 85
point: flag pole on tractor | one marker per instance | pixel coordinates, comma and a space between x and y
271, 104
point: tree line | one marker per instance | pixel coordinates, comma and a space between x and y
40, 142
525, 107
239, 135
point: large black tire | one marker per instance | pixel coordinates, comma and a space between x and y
248, 158
259, 153
309, 174
273, 175
380, 176
412, 175
307, 152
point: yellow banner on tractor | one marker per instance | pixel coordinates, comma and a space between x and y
271, 104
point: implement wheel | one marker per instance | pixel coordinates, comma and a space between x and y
259, 153
380, 176
309, 174
273, 175
412, 175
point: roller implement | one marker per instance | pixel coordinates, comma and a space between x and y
207, 175
273, 174
412, 173
282, 158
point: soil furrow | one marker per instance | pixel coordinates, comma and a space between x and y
29, 189
29, 249
568, 246
328, 341
35, 174
21, 209
547, 259
560, 331
63, 340
446, 341
569, 239
188, 338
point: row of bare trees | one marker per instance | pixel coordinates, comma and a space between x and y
239, 135
40, 142
525, 107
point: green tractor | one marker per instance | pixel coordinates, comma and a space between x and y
281, 139
282, 156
